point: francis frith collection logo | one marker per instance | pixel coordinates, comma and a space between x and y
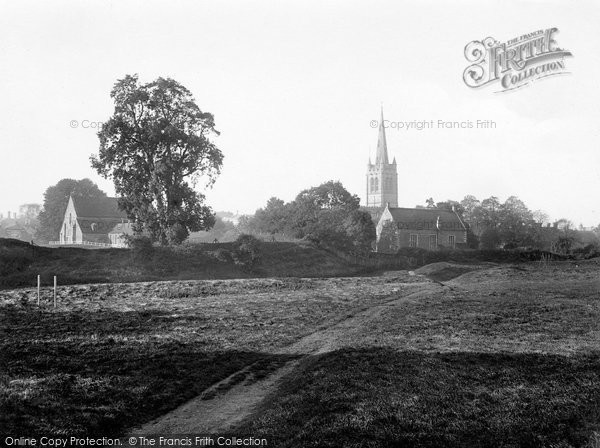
514, 63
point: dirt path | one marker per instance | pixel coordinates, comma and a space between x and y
225, 404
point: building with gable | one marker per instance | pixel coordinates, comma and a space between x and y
94, 222
16, 227
398, 227
425, 228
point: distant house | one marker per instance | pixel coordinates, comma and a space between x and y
17, 232
94, 222
426, 228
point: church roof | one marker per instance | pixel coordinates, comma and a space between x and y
400, 214
98, 208
382, 154
97, 225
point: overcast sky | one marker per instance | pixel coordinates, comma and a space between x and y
294, 88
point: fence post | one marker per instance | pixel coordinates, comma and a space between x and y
38, 290
55, 291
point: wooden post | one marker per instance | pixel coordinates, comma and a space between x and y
38, 290
55, 291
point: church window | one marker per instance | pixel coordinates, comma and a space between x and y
432, 242
374, 184
451, 241
414, 240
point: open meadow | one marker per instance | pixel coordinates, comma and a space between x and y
448, 355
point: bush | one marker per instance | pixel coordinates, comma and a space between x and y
246, 251
223, 255
141, 247
589, 251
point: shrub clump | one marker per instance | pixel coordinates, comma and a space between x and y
223, 255
246, 251
591, 250
141, 247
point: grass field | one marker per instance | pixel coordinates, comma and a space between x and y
111, 356
498, 356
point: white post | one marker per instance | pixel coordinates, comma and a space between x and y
38, 290
55, 291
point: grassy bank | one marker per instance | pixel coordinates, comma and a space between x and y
20, 263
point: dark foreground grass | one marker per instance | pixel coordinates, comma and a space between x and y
379, 397
121, 374
110, 357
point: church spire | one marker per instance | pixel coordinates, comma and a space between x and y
382, 154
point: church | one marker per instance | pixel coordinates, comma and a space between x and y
97, 222
398, 227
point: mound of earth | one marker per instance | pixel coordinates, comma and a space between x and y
444, 271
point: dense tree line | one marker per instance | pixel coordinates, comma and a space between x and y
511, 224
328, 215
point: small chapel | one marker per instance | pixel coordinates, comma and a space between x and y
398, 227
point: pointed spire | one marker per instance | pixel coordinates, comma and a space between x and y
382, 154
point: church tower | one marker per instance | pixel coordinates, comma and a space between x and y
382, 176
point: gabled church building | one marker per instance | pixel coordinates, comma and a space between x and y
94, 222
398, 227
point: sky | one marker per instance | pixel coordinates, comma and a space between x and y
294, 88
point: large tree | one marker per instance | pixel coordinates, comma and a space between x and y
273, 218
516, 223
472, 208
328, 215
56, 199
156, 149
306, 209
